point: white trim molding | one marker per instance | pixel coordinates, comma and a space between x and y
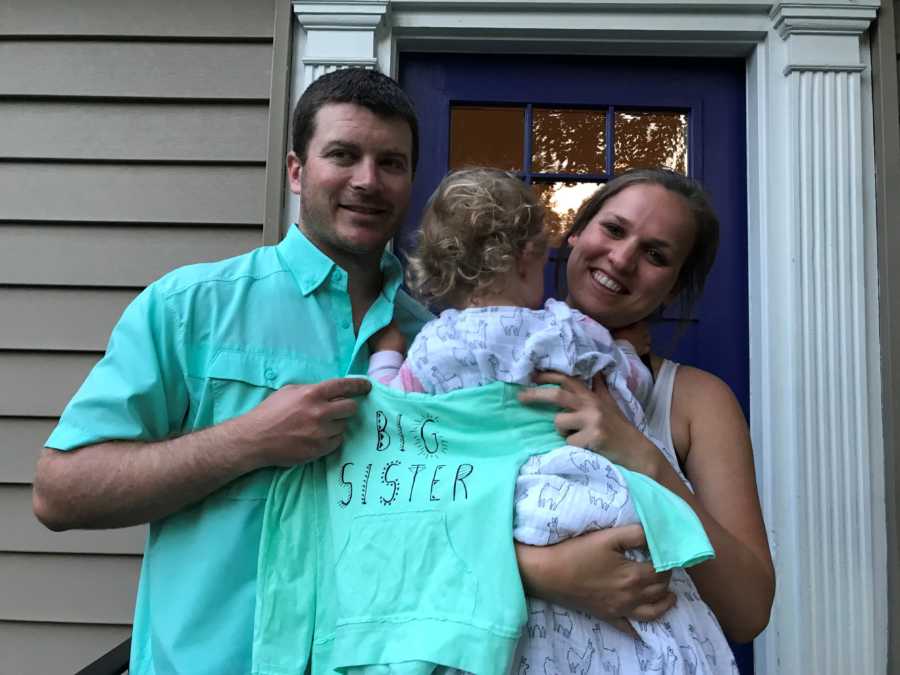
815, 399
813, 290
337, 35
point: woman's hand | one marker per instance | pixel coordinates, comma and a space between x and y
591, 573
593, 420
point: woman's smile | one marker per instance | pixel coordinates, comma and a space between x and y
607, 282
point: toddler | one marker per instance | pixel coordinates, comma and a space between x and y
482, 253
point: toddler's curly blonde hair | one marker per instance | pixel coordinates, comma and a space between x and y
476, 225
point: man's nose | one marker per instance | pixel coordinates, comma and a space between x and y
365, 175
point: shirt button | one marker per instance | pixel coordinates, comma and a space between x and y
345, 324
270, 374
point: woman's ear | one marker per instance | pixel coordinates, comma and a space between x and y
572, 240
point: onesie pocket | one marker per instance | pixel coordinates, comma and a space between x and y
380, 579
240, 381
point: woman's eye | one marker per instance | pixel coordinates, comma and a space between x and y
656, 258
613, 230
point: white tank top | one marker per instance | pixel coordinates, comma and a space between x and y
658, 414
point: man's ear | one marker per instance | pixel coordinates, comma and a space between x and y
294, 172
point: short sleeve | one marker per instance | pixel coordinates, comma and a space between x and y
137, 391
384, 365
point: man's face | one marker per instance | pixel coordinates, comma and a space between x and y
355, 184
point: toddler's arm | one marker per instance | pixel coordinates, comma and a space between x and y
388, 339
387, 364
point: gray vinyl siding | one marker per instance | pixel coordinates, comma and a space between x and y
65, 644
134, 138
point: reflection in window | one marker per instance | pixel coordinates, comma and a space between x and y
568, 141
650, 139
562, 200
481, 136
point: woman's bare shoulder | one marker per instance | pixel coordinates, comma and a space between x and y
694, 383
704, 407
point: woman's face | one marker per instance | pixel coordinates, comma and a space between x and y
625, 262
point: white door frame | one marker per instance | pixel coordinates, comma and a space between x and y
814, 351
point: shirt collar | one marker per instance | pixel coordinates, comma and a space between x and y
310, 267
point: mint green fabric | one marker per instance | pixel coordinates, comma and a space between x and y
414, 551
675, 536
413, 555
202, 345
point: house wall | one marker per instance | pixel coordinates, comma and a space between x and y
133, 139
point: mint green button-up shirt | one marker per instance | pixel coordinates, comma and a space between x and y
202, 345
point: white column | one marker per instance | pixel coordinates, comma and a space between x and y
338, 34
816, 291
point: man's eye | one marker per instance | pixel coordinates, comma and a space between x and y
340, 155
395, 164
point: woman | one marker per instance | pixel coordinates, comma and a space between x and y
645, 239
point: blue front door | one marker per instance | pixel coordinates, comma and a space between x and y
704, 96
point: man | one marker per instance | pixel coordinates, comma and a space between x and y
218, 372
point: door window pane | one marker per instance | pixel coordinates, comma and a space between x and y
650, 139
568, 141
481, 136
562, 201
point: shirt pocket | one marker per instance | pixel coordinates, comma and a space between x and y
240, 381
423, 578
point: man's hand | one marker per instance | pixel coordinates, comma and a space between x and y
299, 423
122, 483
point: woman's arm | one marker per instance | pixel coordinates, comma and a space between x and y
710, 433
590, 572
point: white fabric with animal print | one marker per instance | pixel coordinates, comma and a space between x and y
478, 345
567, 491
